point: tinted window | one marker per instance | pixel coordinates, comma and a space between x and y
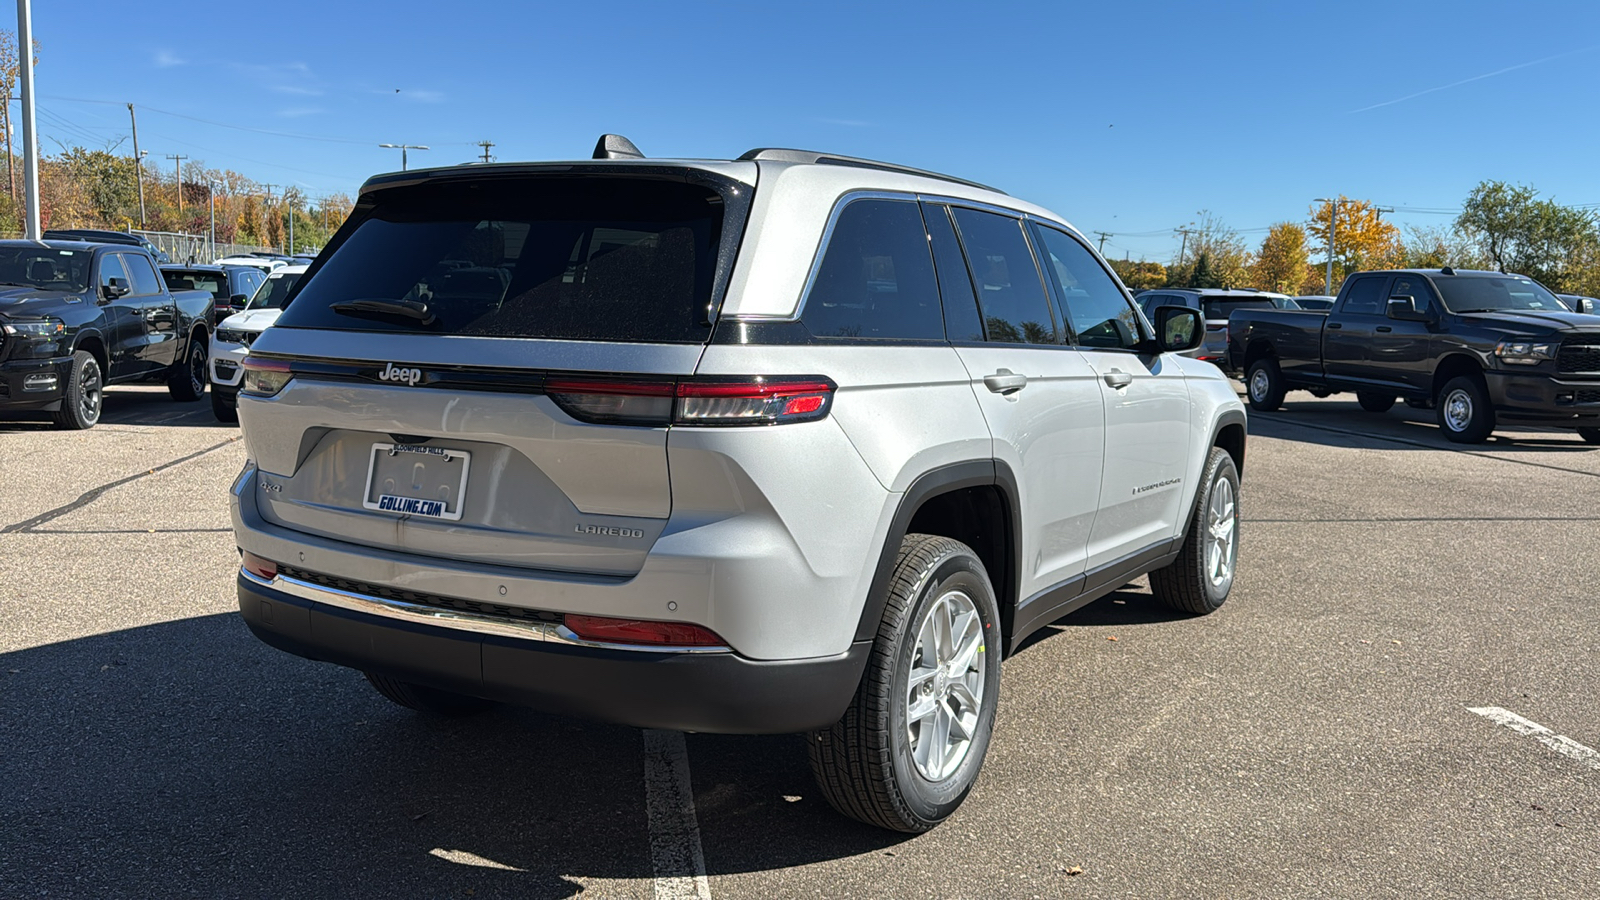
1475, 293
1365, 296
1015, 309
961, 319
275, 293
609, 259
143, 274
876, 279
111, 267
1415, 287
1222, 308
194, 281
1090, 302
45, 268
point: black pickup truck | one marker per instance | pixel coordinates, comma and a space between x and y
76, 316
1477, 347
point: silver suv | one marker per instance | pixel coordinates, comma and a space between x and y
788, 443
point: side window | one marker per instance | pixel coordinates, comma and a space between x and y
876, 279
111, 267
1365, 297
1415, 287
1090, 302
1015, 308
961, 319
143, 274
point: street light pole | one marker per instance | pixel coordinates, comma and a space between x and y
1333, 229
403, 148
30, 139
211, 201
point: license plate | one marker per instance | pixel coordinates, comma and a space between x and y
417, 480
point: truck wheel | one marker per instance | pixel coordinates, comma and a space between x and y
1264, 385
1464, 411
427, 699
80, 402
188, 381
1372, 401
1198, 581
225, 410
1589, 435
912, 741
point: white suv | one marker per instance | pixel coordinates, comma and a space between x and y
788, 443
231, 341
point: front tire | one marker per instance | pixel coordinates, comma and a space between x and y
1464, 412
1264, 385
81, 401
188, 383
1372, 401
1199, 580
426, 699
909, 747
226, 410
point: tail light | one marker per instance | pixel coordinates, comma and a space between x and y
264, 377
604, 629
722, 401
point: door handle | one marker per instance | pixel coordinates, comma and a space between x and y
1384, 328
1335, 324
1005, 382
1118, 378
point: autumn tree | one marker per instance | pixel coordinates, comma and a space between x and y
1139, 275
1521, 233
1361, 239
1280, 264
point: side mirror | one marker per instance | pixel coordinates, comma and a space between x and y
114, 288
1584, 305
1404, 308
1178, 328
238, 301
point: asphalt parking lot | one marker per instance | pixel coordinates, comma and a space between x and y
1315, 738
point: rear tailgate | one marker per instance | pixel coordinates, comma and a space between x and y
437, 356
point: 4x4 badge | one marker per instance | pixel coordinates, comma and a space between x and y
391, 372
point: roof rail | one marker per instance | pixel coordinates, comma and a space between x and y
779, 154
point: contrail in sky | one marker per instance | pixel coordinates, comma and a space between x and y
1445, 87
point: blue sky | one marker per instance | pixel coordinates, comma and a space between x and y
1124, 117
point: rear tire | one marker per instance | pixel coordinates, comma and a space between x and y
1372, 401
1199, 580
85, 392
909, 747
1464, 412
1263, 384
188, 381
225, 411
426, 699
1589, 435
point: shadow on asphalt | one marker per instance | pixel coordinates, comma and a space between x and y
1328, 423
187, 758
122, 406
1130, 606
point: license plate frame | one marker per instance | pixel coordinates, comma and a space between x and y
401, 504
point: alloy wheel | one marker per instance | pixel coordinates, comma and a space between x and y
89, 391
1221, 543
944, 687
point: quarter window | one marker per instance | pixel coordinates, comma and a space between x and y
1099, 314
1015, 309
876, 279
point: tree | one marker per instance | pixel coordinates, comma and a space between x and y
1203, 277
1520, 233
1362, 240
1139, 275
10, 71
1280, 264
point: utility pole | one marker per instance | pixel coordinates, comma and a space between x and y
138, 163
402, 148
1333, 229
289, 202
486, 145
211, 201
30, 137
1184, 246
1103, 237
177, 162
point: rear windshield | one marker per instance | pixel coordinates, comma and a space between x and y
594, 258
274, 292
1222, 308
1474, 293
195, 281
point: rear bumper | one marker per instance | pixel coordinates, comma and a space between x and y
1542, 398
685, 691
31, 384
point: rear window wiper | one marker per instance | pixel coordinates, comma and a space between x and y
404, 309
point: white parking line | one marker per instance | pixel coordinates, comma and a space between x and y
675, 853
1560, 743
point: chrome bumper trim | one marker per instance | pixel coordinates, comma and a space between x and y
461, 620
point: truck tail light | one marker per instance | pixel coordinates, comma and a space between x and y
264, 377
607, 630
712, 401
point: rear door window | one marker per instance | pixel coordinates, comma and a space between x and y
1098, 313
594, 258
145, 282
961, 319
1015, 308
876, 278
